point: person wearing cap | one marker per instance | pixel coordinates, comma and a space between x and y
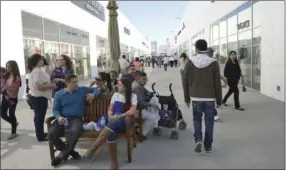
202, 85
210, 54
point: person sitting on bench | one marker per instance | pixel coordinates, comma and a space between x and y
68, 109
123, 104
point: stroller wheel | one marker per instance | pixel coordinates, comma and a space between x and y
156, 131
182, 125
174, 135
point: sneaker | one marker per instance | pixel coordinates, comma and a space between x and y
198, 148
240, 109
208, 150
224, 104
75, 155
12, 136
56, 161
216, 118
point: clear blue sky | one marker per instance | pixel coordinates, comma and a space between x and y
154, 18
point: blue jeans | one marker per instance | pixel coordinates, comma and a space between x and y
208, 108
40, 106
116, 126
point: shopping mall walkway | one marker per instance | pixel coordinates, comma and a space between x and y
250, 139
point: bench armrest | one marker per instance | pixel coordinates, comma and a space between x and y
49, 121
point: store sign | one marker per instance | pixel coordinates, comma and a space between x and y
243, 25
92, 7
126, 31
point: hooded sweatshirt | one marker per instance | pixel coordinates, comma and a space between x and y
202, 79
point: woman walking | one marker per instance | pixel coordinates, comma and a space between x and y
12, 83
40, 91
63, 69
122, 105
182, 61
232, 74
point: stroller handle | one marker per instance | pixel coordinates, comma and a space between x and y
153, 87
170, 88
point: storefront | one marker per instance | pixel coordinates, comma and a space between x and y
75, 28
254, 34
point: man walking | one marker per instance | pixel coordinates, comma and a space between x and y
210, 52
202, 85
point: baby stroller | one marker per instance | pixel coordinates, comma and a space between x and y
169, 116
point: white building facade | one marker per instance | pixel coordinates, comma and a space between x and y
255, 29
76, 28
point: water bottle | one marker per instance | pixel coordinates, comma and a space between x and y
66, 122
102, 123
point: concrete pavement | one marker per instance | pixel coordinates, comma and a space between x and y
251, 139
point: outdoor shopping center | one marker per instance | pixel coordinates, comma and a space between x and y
76, 28
255, 29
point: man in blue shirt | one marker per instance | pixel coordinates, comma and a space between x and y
68, 109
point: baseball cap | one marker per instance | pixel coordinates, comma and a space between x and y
210, 49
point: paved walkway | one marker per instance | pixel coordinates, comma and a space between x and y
251, 139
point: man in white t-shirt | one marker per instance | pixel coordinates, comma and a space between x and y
123, 64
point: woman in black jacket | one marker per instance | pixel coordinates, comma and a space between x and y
232, 73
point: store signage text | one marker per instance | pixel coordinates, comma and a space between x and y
243, 25
92, 7
126, 31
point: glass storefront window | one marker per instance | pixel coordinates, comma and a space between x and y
31, 47
232, 43
84, 38
216, 32
223, 51
244, 55
76, 36
78, 61
52, 52
86, 61
32, 25
256, 58
232, 25
222, 29
216, 48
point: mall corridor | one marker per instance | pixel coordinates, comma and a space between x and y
252, 139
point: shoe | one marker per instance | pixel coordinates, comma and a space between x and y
12, 136
56, 161
198, 148
208, 150
216, 118
112, 149
224, 104
44, 139
75, 155
240, 109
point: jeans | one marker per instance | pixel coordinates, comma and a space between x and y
40, 106
10, 105
208, 108
74, 131
235, 96
116, 126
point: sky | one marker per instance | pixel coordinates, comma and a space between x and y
154, 18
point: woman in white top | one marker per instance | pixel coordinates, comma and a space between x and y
40, 91
183, 60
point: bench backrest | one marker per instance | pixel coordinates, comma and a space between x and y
98, 107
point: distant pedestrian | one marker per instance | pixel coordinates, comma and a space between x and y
137, 63
12, 83
123, 64
183, 60
202, 86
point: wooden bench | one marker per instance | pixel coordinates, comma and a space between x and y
93, 112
